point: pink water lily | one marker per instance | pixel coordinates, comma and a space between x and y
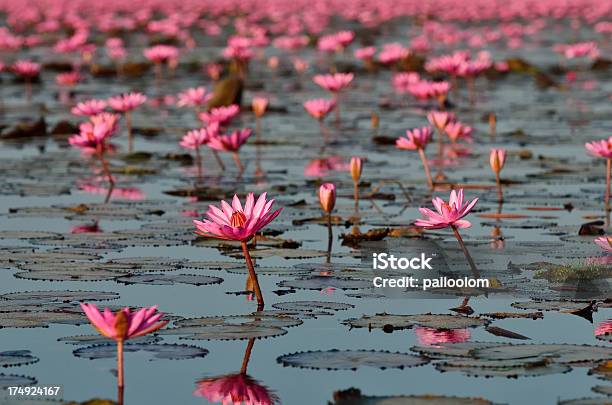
447, 214
194, 97
123, 325
127, 102
235, 389
239, 223
603, 148
417, 139
231, 142
319, 108
334, 82
198, 137
223, 115
604, 242
89, 107
235, 222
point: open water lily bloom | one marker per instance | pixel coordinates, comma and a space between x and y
235, 222
447, 214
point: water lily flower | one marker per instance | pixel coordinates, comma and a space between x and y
497, 158
259, 105
239, 223
231, 143
451, 215
89, 107
417, 139
604, 242
327, 200
123, 325
319, 108
356, 165
125, 103
603, 148
223, 115
194, 97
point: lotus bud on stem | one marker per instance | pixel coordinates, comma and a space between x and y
356, 168
327, 199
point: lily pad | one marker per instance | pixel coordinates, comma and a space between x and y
160, 351
322, 282
100, 340
11, 380
16, 358
503, 368
169, 279
397, 322
312, 306
350, 359
559, 353
225, 332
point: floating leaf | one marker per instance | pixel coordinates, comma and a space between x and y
225, 332
350, 359
16, 358
434, 321
503, 368
254, 319
99, 339
323, 282
445, 349
312, 306
169, 279
11, 380
160, 351
559, 353
355, 398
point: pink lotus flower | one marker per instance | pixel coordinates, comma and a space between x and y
235, 389
123, 325
601, 148
439, 119
457, 130
334, 82
193, 97
222, 115
198, 137
415, 139
89, 107
26, 68
604, 242
259, 105
393, 53
161, 53
213, 70
67, 79
93, 134
366, 53
319, 108
235, 222
231, 142
127, 101
450, 214
356, 166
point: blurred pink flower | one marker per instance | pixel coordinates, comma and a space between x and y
89, 107
231, 142
127, 101
319, 108
235, 389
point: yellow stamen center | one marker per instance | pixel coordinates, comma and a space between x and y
238, 219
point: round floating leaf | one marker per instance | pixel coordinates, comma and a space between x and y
553, 305
445, 350
225, 332
269, 271
11, 380
586, 401
559, 353
323, 282
255, 319
212, 265
7, 234
351, 399
40, 319
435, 321
147, 261
70, 275
160, 351
503, 368
287, 253
312, 306
100, 340
16, 358
603, 389
169, 279
350, 359
44, 297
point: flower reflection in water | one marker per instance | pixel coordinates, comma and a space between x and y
237, 388
434, 337
604, 328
